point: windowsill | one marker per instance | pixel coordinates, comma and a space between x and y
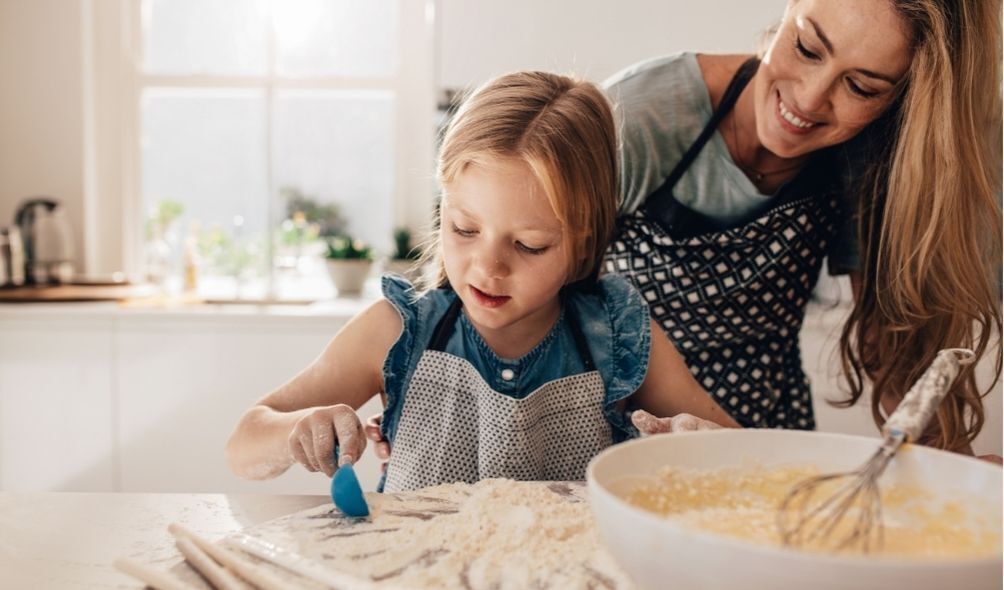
180, 307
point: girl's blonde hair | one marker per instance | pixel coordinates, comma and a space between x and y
930, 219
563, 129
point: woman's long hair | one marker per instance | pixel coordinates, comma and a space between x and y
930, 218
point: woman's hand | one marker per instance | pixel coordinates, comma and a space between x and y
312, 440
648, 424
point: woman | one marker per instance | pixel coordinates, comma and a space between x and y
869, 132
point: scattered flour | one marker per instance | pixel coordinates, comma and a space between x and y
499, 534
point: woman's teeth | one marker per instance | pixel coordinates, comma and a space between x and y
793, 119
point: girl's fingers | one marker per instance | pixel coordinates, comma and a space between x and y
324, 448
383, 449
351, 441
307, 440
299, 453
372, 428
374, 421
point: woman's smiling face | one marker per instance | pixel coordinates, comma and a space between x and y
832, 68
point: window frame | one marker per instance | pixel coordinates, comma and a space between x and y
412, 86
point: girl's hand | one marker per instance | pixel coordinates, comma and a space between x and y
312, 440
380, 445
648, 424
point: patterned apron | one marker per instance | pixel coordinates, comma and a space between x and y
732, 299
455, 428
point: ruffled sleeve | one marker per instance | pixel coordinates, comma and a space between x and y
401, 294
419, 315
617, 327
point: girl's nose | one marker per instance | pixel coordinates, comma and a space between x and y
493, 263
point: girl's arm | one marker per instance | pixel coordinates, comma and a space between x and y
669, 389
303, 419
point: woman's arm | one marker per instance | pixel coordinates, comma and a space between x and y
302, 419
669, 388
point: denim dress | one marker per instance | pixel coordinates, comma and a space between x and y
457, 412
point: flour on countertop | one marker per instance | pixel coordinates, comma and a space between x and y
496, 533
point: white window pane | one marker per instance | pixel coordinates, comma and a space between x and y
206, 149
338, 147
356, 38
223, 37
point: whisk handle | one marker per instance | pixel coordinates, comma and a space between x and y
921, 402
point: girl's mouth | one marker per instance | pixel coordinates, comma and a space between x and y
487, 299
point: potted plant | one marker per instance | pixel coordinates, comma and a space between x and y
405, 259
308, 225
348, 262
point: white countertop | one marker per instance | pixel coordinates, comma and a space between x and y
69, 540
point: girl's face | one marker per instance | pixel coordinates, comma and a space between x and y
831, 70
503, 247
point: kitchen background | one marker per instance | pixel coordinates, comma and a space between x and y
210, 147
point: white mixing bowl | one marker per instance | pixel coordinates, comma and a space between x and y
659, 554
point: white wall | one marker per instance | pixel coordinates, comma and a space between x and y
42, 106
591, 38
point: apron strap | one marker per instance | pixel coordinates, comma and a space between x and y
661, 206
444, 329
441, 335
580, 342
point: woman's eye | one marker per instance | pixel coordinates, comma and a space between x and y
859, 90
803, 50
524, 248
466, 233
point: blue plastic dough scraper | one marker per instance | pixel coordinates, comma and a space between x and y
346, 492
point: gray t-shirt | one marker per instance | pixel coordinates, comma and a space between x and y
661, 106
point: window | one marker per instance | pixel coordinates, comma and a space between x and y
264, 127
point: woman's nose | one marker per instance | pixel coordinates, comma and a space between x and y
813, 94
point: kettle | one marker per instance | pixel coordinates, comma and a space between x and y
48, 241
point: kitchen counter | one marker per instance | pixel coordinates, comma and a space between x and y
69, 540
162, 309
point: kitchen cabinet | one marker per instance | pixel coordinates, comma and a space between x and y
98, 398
56, 404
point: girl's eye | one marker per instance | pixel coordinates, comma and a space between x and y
803, 50
524, 248
859, 90
466, 233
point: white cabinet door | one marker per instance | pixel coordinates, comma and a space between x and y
56, 405
182, 388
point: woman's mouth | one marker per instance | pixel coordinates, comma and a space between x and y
790, 121
487, 299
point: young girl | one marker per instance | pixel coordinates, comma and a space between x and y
519, 361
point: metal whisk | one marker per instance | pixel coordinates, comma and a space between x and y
832, 521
